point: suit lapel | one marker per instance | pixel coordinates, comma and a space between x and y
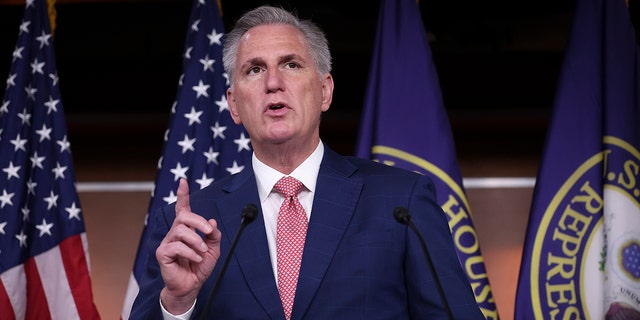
252, 252
333, 206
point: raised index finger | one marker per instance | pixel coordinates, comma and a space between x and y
182, 203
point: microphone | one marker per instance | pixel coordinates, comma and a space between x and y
249, 213
403, 216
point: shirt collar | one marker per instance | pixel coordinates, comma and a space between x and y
306, 172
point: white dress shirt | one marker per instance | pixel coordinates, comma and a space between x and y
271, 200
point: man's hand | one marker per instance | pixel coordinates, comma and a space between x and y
186, 259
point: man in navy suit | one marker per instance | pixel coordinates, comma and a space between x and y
357, 261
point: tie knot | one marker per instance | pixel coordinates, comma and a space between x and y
288, 186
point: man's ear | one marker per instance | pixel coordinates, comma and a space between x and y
233, 108
327, 91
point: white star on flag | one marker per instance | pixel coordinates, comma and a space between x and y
12, 171
58, 171
187, 144
17, 54
42, 235
243, 143
45, 228
195, 149
179, 172
44, 133
5, 107
43, 39
222, 104
51, 200
214, 37
74, 212
51, 105
235, 168
5, 198
211, 156
218, 130
19, 144
171, 198
201, 89
36, 67
64, 144
204, 181
25, 117
37, 161
193, 116
207, 64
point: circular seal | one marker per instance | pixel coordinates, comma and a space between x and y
585, 256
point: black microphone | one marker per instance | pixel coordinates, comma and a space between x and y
403, 216
249, 213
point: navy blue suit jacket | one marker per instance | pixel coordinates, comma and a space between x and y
358, 261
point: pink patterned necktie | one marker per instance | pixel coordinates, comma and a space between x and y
291, 234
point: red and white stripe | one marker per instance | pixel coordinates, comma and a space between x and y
52, 285
130, 297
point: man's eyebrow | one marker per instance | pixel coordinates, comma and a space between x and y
289, 57
257, 61
254, 61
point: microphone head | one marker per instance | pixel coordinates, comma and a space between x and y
402, 215
249, 213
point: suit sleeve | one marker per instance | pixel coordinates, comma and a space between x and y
147, 302
424, 299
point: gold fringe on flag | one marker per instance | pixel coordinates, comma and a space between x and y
51, 5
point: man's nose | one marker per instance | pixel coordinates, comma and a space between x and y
274, 80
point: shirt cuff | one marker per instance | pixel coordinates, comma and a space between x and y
168, 316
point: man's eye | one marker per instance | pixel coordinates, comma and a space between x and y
292, 65
253, 70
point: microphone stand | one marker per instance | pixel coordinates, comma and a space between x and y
249, 213
403, 216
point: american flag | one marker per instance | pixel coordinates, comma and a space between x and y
44, 259
202, 142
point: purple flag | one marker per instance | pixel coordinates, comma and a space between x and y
202, 142
404, 124
582, 249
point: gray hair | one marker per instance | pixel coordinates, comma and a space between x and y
264, 15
